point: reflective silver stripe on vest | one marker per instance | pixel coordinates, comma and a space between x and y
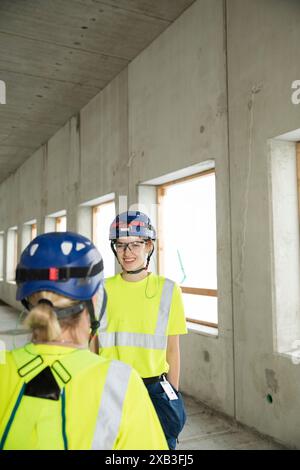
164, 308
158, 340
138, 340
103, 322
111, 406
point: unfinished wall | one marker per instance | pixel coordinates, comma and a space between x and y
263, 61
78, 163
167, 111
177, 119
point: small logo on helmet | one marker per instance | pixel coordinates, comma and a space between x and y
53, 274
137, 223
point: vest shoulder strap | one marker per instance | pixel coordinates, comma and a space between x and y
64, 368
29, 365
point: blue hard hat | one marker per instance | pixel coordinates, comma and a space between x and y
132, 224
63, 262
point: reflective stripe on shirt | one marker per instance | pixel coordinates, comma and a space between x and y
138, 340
158, 340
111, 406
164, 308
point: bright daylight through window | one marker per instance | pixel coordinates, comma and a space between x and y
187, 243
61, 224
103, 214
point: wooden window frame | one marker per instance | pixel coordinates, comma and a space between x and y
33, 231
160, 193
98, 228
16, 243
58, 221
11, 254
96, 209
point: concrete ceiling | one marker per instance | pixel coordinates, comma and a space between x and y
55, 55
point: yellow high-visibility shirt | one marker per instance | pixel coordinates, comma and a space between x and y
138, 319
103, 404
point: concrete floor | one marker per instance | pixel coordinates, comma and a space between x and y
207, 430
204, 429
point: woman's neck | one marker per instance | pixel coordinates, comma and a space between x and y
67, 340
66, 344
134, 277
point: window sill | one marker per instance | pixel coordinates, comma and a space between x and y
293, 356
203, 330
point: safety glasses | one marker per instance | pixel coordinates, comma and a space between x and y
134, 247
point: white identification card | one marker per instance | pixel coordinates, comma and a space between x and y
169, 390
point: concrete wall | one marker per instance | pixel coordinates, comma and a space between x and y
263, 61
166, 111
177, 119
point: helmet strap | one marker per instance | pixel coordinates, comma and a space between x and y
26, 304
112, 245
144, 268
94, 322
63, 313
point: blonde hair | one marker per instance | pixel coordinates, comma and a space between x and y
42, 319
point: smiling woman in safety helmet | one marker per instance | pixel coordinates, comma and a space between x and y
144, 318
55, 393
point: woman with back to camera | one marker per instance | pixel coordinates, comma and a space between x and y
144, 318
54, 392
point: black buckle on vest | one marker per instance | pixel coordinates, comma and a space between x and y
63, 370
39, 358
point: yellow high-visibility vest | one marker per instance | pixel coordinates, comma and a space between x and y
102, 404
138, 319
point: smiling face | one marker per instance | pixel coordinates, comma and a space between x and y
132, 252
